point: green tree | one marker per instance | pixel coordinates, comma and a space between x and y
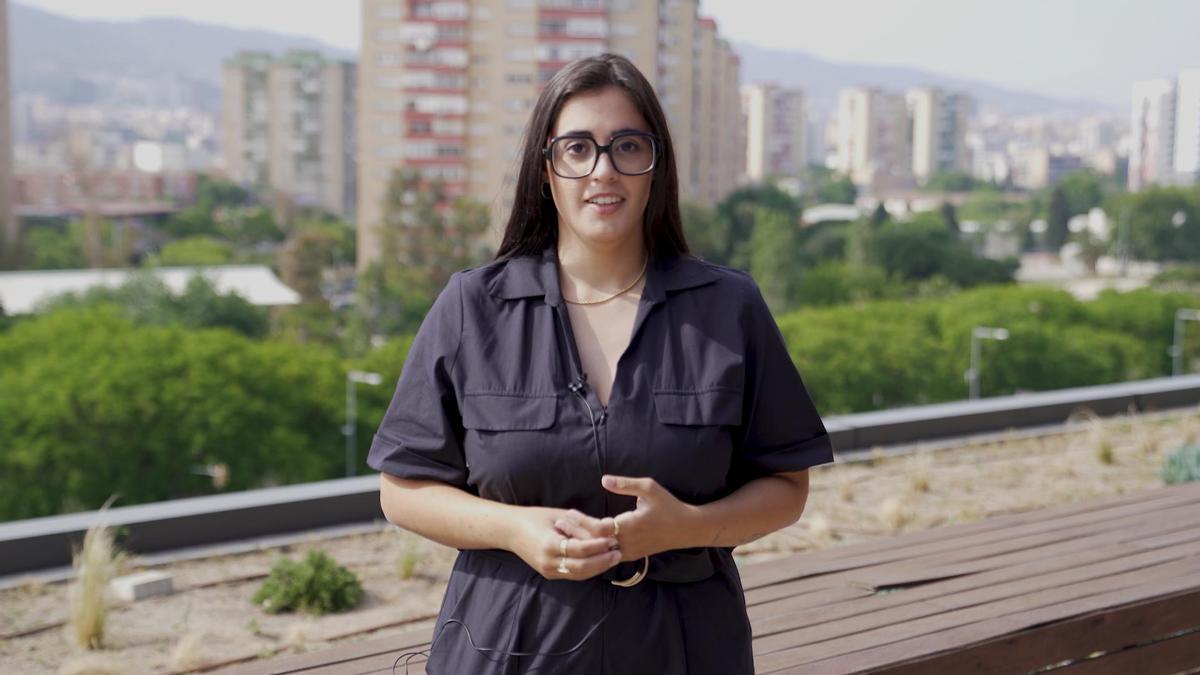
950, 217
1083, 190
247, 225
739, 213
1163, 224
93, 404
422, 243
52, 248
197, 250
837, 190
989, 205
1057, 219
773, 248
879, 216
146, 300
951, 181
914, 250
707, 234
836, 283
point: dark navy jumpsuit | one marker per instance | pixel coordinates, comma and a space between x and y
492, 400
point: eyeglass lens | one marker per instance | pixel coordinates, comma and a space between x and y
577, 157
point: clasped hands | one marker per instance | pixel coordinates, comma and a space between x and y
568, 544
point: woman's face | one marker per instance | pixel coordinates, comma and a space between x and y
606, 208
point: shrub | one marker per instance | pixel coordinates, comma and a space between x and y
318, 585
1182, 466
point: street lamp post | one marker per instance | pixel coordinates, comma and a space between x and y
1176, 350
977, 335
350, 431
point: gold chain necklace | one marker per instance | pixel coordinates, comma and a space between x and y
619, 293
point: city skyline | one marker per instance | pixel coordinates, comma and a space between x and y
1069, 49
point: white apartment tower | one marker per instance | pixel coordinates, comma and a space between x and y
1187, 127
776, 126
939, 128
1151, 155
873, 137
288, 127
8, 222
446, 88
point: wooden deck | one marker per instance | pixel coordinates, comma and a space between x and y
1010, 594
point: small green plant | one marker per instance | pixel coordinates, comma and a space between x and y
1105, 453
1182, 466
318, 585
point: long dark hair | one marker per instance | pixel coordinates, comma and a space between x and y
533, 224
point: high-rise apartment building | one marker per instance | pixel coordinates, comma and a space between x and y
716, 164
873, 137
446, 88
939, 130
1151, 155
1187, 127
8, 221
776, 126
288, 127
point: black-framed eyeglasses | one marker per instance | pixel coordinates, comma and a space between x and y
633, 153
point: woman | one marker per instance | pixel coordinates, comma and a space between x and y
596, 419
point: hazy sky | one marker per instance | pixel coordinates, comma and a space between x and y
1083, 48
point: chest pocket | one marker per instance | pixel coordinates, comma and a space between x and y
508, 412
715, 406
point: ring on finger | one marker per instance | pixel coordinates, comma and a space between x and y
616, 528
562, 565
562, 547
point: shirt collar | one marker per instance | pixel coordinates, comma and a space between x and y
531, 276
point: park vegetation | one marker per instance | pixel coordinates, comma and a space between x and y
139, 392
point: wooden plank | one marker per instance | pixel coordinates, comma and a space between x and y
974, 604
902, 572
902, 549
1106, 630
786, 605
822, 599
889, 650
299, 663
1181, 520
1172, 655
845, 557
904, 606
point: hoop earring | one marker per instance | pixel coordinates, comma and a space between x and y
546, 191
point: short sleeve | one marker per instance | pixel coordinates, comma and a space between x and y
781, 429
421, 434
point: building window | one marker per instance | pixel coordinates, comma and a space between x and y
568, 51
518, 104
391, 81
624, 30
390, 59
519, 29
391, 11
439, 10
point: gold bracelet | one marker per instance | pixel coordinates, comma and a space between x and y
635, 579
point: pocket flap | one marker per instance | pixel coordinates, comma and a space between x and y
708, 407
508, 412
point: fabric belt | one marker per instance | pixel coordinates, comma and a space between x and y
682, 566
